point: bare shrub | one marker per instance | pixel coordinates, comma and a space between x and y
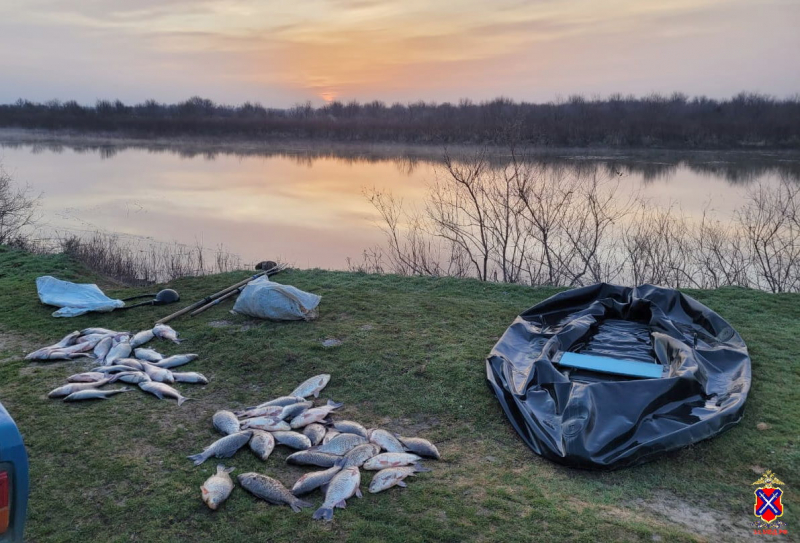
18, 210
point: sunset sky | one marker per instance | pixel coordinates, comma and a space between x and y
284, 52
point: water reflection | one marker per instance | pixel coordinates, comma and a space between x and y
303, 201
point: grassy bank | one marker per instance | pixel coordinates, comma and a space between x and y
411, 360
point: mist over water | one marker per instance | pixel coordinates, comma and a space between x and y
304, 203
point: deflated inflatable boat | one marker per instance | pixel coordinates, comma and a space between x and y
604, 377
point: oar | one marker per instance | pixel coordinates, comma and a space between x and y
211, 304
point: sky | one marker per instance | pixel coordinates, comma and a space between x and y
284, 52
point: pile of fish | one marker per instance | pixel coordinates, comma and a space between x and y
342, 447
119, 357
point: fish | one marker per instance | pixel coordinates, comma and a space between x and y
293, 410
391, 460
130, 377
330, 434
315, 433
103, 331
270, 424
224, 447
190, 377
94, 339
102, 348
66, 390
159, 390
141, 338
420, 446
360, 454
164, 331
312, 387
158, 374
387, 441
350, 427
283, 401
86, 377
271, 490
120, 350
313, 458
389, 477
94, 394
131, 363
262, 443
314, 415
266, 411
343, 486
225, 422
175, 360
293, 440
111, 369
59, 353
68, 340
217, 488
147, 354
342, 444
314, 480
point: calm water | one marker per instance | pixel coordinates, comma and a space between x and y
305, 205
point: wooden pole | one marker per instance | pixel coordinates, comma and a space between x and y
212, 303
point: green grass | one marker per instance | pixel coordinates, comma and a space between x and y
117, 470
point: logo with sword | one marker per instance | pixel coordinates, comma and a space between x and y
768, 504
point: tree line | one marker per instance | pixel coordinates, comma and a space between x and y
746, 120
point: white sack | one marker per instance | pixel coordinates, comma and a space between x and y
72, 298
264, 299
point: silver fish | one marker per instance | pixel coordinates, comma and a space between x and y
350, 427
217, 488
344, 485
222, 448
313, 480
389, 477
292, 439
158, 374
360, 454
271, 490
87, 377
292, 410
225, 422
283, 401
314, 415
312, 387
130, 377
313, 458
269, 424
164, 331
175, 360
103, 331
102, 348
391, 460
342, 444
141, 338
66, 390
190, 377
387, 441
120, 350
266, 411
147, 354
68, 340
94, 394
262, 443
314, 432
131, 363
330, 434
420, 446
111, 369
160, 390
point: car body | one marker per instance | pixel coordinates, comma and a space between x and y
13, 480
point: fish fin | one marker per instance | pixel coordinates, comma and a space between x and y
402, 484
323, 513
223, 469
419, 468
342, 504
183, 399
335, 405
340, 463
298, 504
358, 493
197, 458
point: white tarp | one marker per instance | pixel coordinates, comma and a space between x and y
72, 298
267, 300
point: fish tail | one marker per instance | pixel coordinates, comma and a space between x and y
183, 399
223, 469
335, 405
323, 513
419, 468
198, 458
299, 504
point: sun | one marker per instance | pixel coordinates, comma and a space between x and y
328, 96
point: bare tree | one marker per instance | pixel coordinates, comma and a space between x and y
17, 210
